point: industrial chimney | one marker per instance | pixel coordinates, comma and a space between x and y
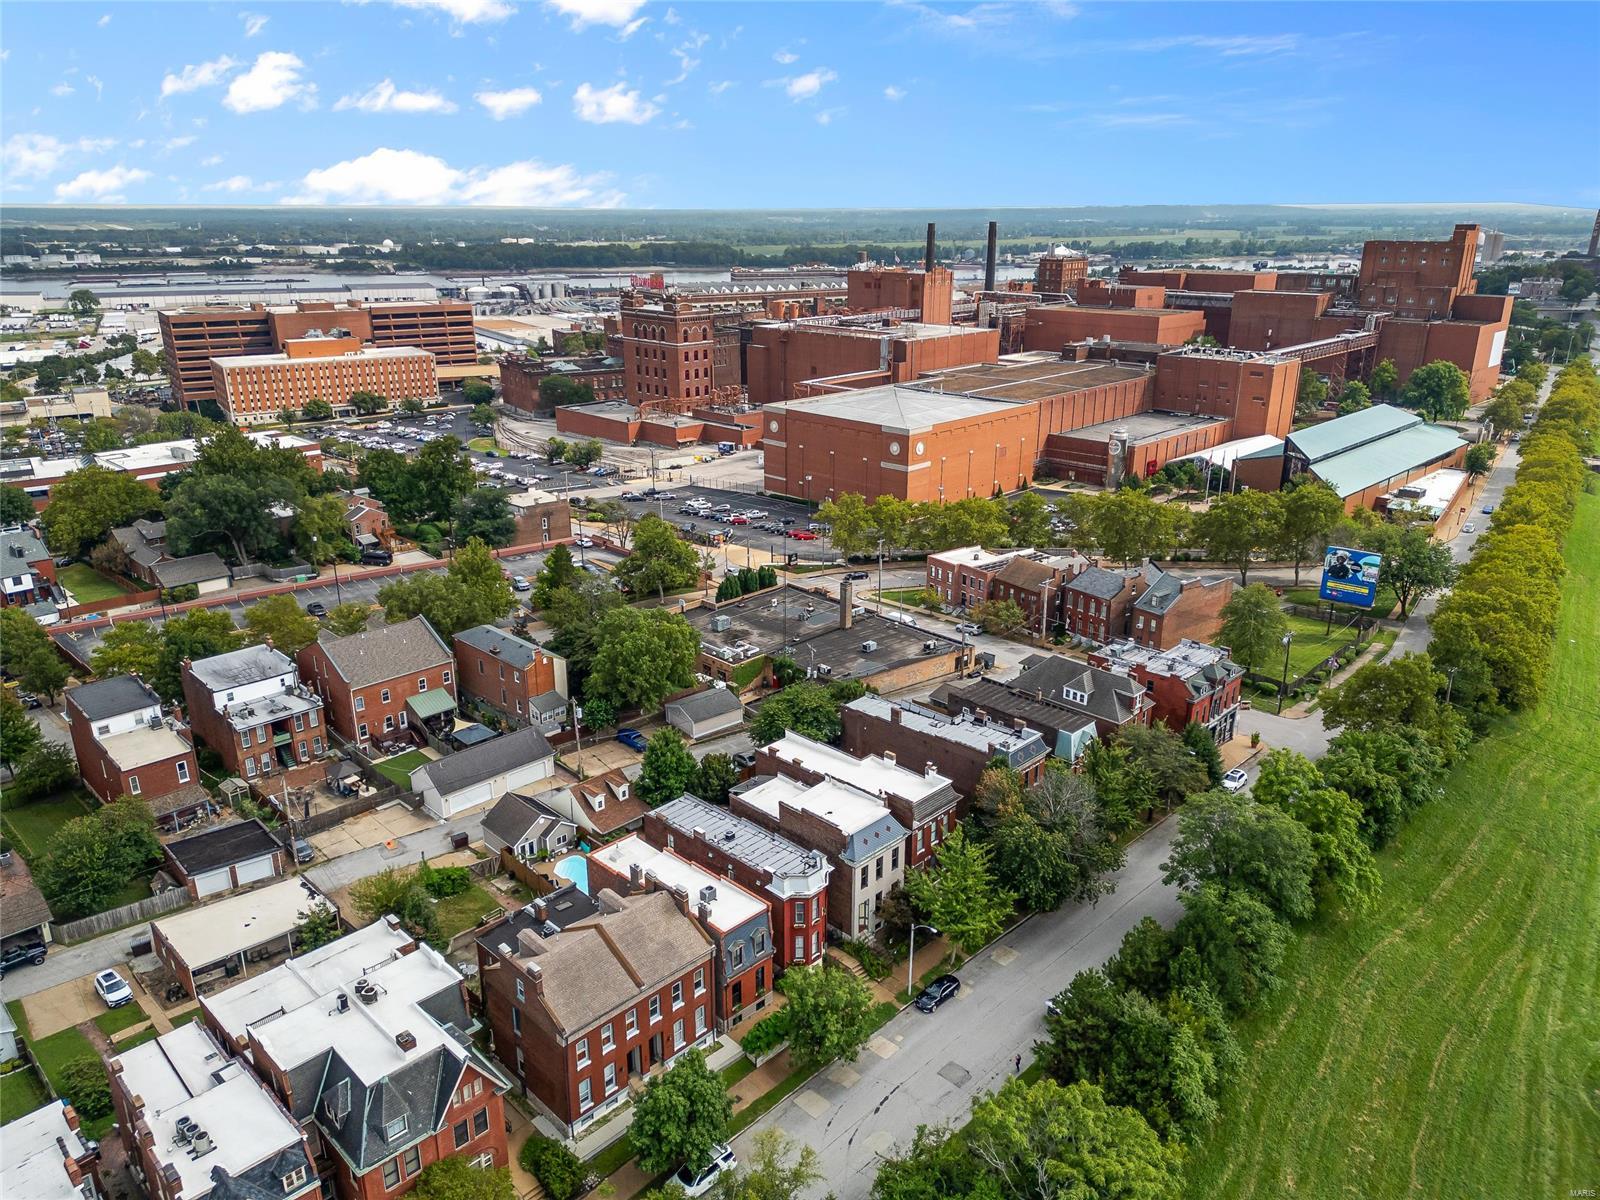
927, 257
988, 262
847, 603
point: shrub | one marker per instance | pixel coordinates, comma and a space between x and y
766, 1034
83, 1083
558, 1170
872, 962
441, 882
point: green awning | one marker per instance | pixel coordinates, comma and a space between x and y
431, 703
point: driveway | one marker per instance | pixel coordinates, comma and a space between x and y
925, 1070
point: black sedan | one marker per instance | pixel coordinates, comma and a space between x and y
936, 993
316, 609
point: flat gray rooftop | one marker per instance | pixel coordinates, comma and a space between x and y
1144, 427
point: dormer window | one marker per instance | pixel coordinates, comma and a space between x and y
395, 1129
599, 801
294, 1180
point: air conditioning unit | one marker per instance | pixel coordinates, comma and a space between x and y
868, 647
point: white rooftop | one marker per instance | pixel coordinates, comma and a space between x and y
1182, 660
31, 1166
138, 747
1430, 495
185, 1073
206, 935
293, 1009
846, 808
367, 353
1228, 453
733, 905
899, 409
874, 774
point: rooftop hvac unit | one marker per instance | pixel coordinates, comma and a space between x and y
721, 623
183, 1134
868, 647
825, 669
201, 1144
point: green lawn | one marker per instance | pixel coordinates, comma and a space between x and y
399, 767
31, 826
114, 1020
53, 1054
460, 913
88, 585
1445, 1045
1312, 643
1382, 607
482, 445
20, 1093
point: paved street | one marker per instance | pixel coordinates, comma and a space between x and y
925, 1069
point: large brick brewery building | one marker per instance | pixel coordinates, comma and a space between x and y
285, 355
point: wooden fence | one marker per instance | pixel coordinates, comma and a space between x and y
117, 918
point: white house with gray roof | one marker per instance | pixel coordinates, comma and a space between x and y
705, 714
514, 762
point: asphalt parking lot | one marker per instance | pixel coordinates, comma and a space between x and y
744, 535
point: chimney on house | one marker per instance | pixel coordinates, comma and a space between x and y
535, 977
541, 909
531, 943
636, 875
406, 1040
846, 604
927, 256
894, 714
989, 256
929, 771
888, 757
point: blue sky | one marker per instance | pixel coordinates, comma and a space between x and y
773, 104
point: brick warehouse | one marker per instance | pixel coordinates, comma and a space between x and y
840, 353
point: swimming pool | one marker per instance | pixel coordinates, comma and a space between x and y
575, 869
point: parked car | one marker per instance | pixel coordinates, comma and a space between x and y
936, 993
738, 519
316, 609
666, 496
1235, 780
1469, 527
585, 542
854, 575
29, 700
698, 1183
632, 739
377, 558
802, 535
22, 954
969, 628
113, 988
303, 853
519, 583
633, 495
744, 760
1488, 509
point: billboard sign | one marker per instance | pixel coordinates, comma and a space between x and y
1350, 576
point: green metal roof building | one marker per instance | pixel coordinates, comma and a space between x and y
1379, 447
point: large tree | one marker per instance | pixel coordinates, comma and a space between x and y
1307, 515
1414, 566
1234, 941
1235, 843
1383, 695
642, 658
659, 561
1129, 526
960, 894
682, 1116
485, 514
810, 709
89, 503
320, 531
557, 572
16, 506
1253, 626
828, 1012
18, 734
280, 620
1345, 871
456, 1177
668, 770
193, 635
1053, 845
1174, 770
473, 591
1438, 390
776, 1168
1240, 525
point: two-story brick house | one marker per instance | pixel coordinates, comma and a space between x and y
126, 746
734, 918
251, 708
1097, 603
1192, 681
1178, 608
519, 679
367, 1042
378, 681
578, 1013
792, 879
196, 1122
919, 797
961, 747
1067, 699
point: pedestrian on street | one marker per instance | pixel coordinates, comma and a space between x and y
1019, 1064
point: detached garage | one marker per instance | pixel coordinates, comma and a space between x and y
225, 859
514, 762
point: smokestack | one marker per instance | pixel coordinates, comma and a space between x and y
846, 604
1594, 238
988, 261
927, 257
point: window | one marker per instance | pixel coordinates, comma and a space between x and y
761, 941
249, 768
472, 1089
460, 1134
244, 738
655, 1009
700, 981
402, 718
611, 1078
607, 1039
447, 676
813, 943
799, 946
522, 992
919, 841
480, 1122
294, 1179
361, 704
583, 1052
422, 683
700, 1021
299, 722
631, 1021
384, 695
391, 1174
865, 872
894, 858
735, 958
133, 785
816, 907
394, 1129
516, 1021
411, 1161
800, 913
585, 1094
677, 1035
266, 763
313, 719
388, 724
361, 731
677, 994
316, 745
877, 867
183, 771
484, 1161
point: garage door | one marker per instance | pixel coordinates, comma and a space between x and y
212, 882
256, 868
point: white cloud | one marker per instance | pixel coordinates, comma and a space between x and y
785, 57
385, 97
178, 143
62, 89
35, 155
105, 186
104, 21
235, 183
254, 23
211, 160
388, 176
720, 86
465, 12
606, 106
894, 93
271, 83
197, 76
631, 28
97, 83
512, 102
826, 116
584, 13
804, 87
1228, 46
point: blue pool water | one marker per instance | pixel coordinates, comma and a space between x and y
575, 868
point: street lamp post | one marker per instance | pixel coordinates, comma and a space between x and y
1450, 682
911, 955
1283, 689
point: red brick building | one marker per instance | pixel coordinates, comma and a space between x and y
520, 378
786, 359
961, 748
1050, 328
1188, 682
735, 919
1034, 582
1179, 608
124, 745
669, 351
1097, 603
928, 293
517, 678
1062, 270
251, 708
367, 520
578, 1014
360, 1039
792, 880
376, 682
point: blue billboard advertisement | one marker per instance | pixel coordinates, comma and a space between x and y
1350, 576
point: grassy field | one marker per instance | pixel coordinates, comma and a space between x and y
1446, 1044
31, 826
88, 585
1312, 643
461, 912
20, 1093
1382, 607
399, 767
114, 1020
